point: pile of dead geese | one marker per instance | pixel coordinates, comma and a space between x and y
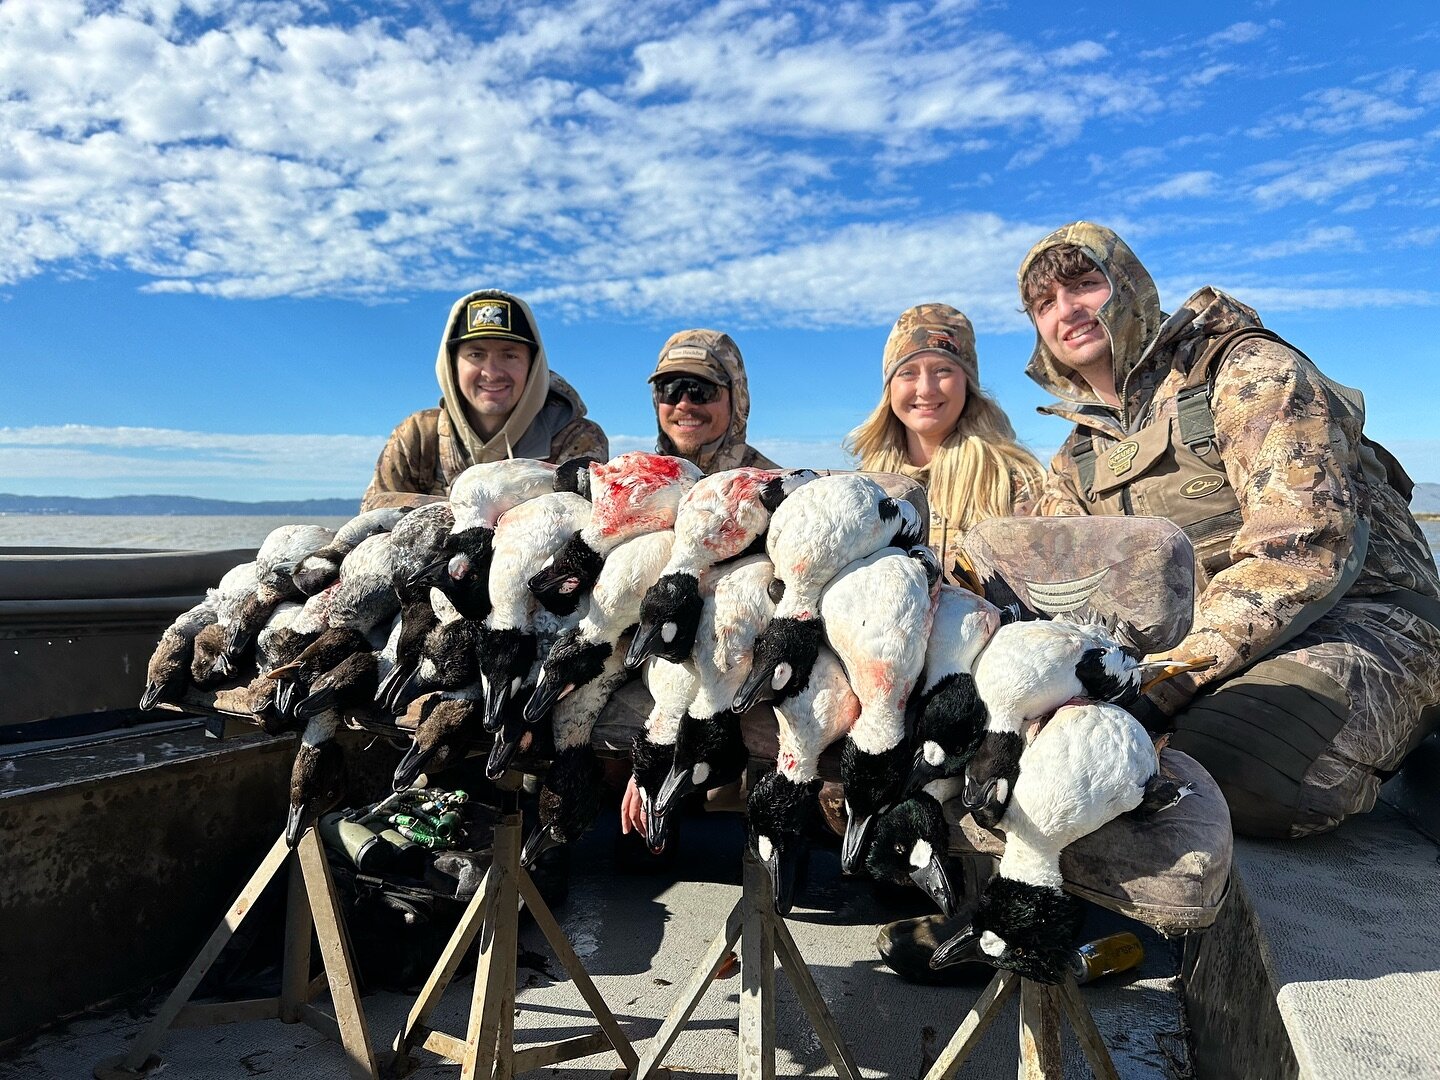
513, 610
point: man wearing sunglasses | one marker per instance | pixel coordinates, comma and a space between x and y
702, 402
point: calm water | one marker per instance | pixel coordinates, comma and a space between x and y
198, 532
181, 532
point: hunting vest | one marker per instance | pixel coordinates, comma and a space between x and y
1175, 471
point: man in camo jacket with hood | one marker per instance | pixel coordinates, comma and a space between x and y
1316, 590
499, 399
704, 364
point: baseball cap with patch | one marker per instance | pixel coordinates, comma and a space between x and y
493, 317
696, 353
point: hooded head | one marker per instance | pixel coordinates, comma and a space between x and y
1131, 317
491, 314
715, 358
932, 328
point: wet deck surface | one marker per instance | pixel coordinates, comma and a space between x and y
640, 928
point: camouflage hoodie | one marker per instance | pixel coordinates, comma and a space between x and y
730, 451
1289, 451
430, 448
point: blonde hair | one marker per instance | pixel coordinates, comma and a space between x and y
975, 472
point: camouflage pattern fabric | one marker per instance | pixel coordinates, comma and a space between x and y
730, 451
1305, 737
1135, 576
1292, 455
422, 457
926, 327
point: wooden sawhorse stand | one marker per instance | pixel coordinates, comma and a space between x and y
763, 938
311, 901
488, 1049
1040, 1007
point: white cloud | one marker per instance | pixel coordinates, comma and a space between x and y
1240, 33
1265, 297
1320, 238
1318, 177
1338, 110
968, 260
90, 461
1208, 74
1187, 185
274, 155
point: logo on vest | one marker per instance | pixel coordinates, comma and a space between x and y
1201, 486
1121, 457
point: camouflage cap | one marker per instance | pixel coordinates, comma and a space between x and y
494, 315
931, 328
697, 352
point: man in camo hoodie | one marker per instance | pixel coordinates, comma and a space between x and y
499, 399
1316, 590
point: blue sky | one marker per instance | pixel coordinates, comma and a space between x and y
232, 230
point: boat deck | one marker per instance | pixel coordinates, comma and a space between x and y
640, 927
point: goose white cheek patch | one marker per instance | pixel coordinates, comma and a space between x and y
700, 773
1002, 789
765, 848
569, 585
933, 754
781, 677
668, 632
921, 854
991, 944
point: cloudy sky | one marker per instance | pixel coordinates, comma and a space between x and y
232, 231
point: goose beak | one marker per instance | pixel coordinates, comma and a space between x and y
921, 773
962, 947
643, 645
508, 741
932, 878
295, 825
315, 703
536, 844
984, 799
783, 866
548, 690
657, 824
752, 689
497, 696
1168, 669
151, 697
856, 840
432, 573
285, 697
237, 640
676, 786
411, 766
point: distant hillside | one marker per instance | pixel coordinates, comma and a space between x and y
167, 505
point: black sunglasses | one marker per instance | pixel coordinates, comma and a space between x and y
699, 391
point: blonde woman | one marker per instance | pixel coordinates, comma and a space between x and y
935, 425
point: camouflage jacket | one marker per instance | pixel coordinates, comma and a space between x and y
1300, 521
422, 457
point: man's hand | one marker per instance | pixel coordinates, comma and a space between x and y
632, 809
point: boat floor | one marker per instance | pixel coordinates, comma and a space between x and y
640, 932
